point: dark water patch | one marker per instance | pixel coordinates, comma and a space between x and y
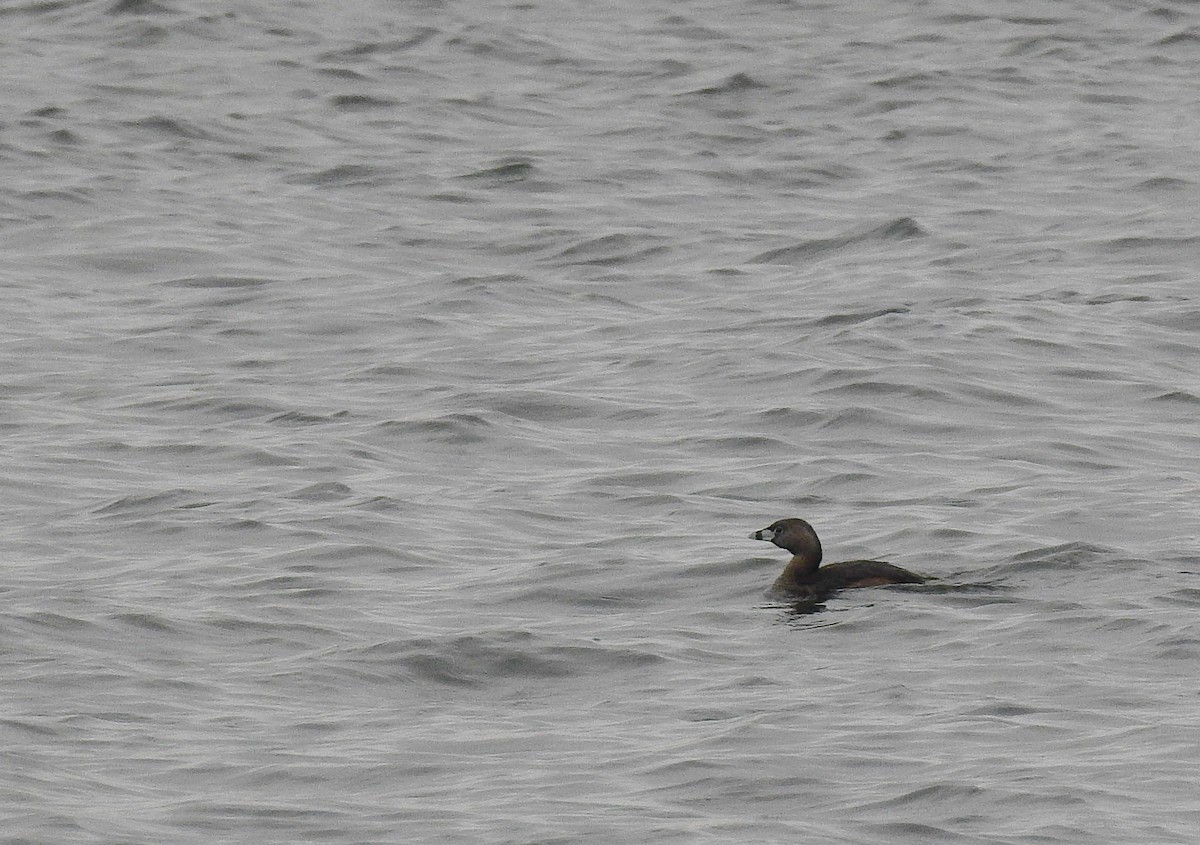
233, 818
900, 229
912, 81
799, 613
738, 83
824, 176
1186, 596
1087, 374
789, 417
176, 449
1003, 398
139, 7
269, 630
1185, 319
509, 47
371, 49
1110, 298
276, 588
1083, 457
57, 621
396, 370
610, 251
1177, 396
74, 196
143, 36
1145, 243
64, 137
343, 73
877, 389
960, 18
913, 831
145, 621
325, 491
244, 525
455, 429
888, 105
44, 112
264, 458
973, 174
508, 170
1113, 99
1077, 555
139, 260
1183, 648
360, 102
709, 714
972, 587
485, 660
30, 727
857, 317
1163, 184
821, 611
381, 504
456, 197
862, 418
624, 305
341, 176
218, 282
651, 500
306, 418
837, 480
1004, 709
236, 409
639, 479
486, 283
173, 128
1184, 38
154, 502
952, 535
1024, 20
952, 794
1186, 563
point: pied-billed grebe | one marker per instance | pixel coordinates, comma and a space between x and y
804, 575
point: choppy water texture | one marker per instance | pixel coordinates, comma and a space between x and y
389, 389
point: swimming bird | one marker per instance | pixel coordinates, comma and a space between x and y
806, 578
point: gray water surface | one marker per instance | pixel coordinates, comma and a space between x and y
388, 391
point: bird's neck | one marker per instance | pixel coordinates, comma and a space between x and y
797, 569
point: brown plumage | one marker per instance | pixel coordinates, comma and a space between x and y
804, 576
